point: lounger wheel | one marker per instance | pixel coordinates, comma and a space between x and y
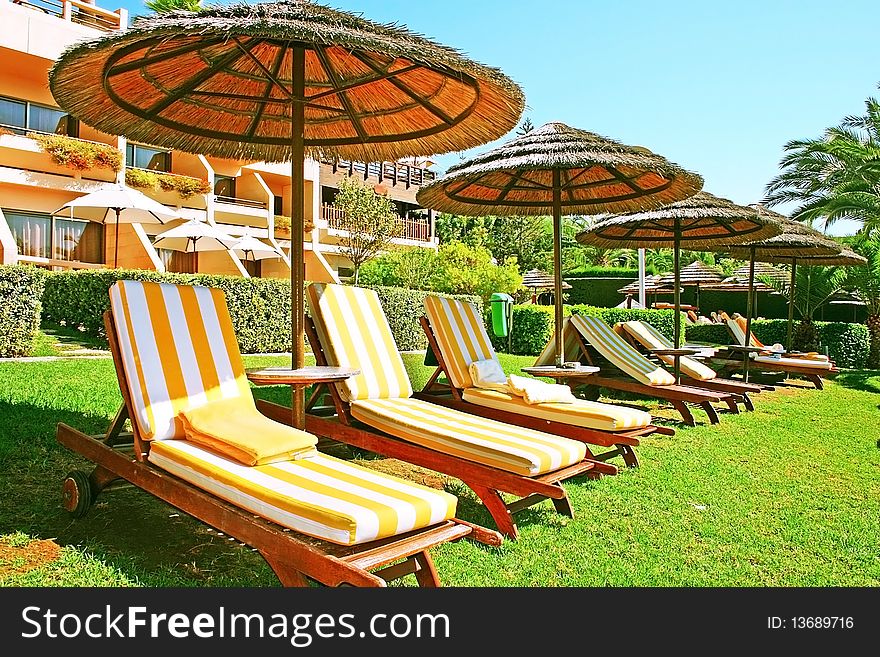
76, 493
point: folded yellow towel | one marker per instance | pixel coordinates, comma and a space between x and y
236, 429
488, 374
539, 392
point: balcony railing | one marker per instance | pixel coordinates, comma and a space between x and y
394, 172
244, 202
416, 229
75, 11
55, 263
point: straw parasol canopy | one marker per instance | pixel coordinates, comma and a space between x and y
846, 258
535, 279
194, 236
762, 270
278, 81
556, 170
695, 274
653, 285
117, 204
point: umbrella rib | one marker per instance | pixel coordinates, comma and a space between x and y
514, 177
534, 184
583, 172
276, 67
161, 57
200, 78
342, 95
467, 183
624, 179
353, 84
269, 75
436, 111
566, 184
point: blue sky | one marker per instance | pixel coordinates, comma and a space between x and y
717, 87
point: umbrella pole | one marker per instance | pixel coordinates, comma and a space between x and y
297, 255
746, 358
676, 251
116, 240
791, 286
557, 265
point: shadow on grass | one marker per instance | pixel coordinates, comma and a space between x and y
865, 380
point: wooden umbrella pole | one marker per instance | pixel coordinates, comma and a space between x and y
297, 252
676, 257
116, 240
789, 338
557, 265
746, 358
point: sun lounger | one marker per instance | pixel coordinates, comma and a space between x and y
312, 517
376, 411
457, 337
693, 373
625, 369
811, 368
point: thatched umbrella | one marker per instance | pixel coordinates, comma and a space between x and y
281, 80
556, 170
695, 274
537, 280
698, 223
799, 243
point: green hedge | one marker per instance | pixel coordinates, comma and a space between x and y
601, 292
533, 325
259, 307
848, 344
20, 291
603, 272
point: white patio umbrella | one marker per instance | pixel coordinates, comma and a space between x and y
194, 236
117, 204
250, 248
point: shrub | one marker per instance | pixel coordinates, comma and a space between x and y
603, 272
283, 223
259, 307
186, 186
533, 325
77, 154
847, 344
20, 291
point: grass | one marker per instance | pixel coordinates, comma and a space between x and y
786, 496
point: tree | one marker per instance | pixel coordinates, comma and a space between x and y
813, 287
369, 222
161, 6
525, 127
865, 281
527, 240
835, 177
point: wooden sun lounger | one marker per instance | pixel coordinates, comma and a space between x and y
679, 396
337, 423
294, 557
444, 393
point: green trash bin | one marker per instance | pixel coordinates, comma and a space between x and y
500, 305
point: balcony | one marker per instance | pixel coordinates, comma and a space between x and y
243, 202
81, 13
22, 153
395, 173
414, 229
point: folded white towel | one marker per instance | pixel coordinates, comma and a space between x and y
539, 392
489, 375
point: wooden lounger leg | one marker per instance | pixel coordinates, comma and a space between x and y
711, 412
497, 508
426, 574
685, 412
630, 458
563, 506
748, 403
816, 380
731, 404
287, 575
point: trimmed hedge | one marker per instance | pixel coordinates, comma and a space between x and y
533, 325
21, 289
603, 272
848, 344
259, 307
601, 292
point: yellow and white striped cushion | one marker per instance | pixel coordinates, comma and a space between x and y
514, 449
321, 496
582, 413
650, 338
178, 350
354, 332
622, 354
461, 336
570, 344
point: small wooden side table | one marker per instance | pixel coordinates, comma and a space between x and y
561, 374
299, 378
676, 355
746, 351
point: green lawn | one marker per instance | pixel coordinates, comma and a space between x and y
786, 496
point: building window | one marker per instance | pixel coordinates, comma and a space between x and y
278, 207
224, 186
44, 236
20, 117
147, 157
178, 261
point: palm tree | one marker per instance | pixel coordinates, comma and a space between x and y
161, 6
835, 177
813, 287
865, 281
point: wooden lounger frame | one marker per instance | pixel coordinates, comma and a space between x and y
740, 388
486, 481
813, 375
294, 557
445, 394
677, 395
